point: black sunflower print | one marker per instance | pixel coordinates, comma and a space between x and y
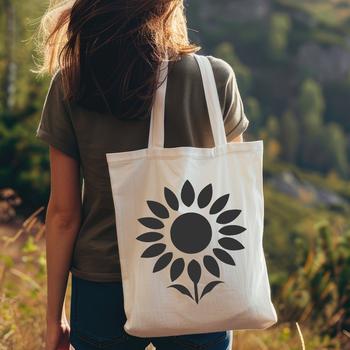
191, 233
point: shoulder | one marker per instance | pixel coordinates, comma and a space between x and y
185, 65
56, 89
56, 81
222, 70
55, 93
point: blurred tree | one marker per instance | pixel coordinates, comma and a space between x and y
324, 147
273, 126
253, 112
227, 52
319, 291
23, 159
9, 77
273, 148
289, 136
335, 148
311, 106
278, 33
311, 100
22, 156
18, 23
337, 94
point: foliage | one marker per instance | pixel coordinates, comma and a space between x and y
277, 40
290, 136
333, 14
319, 291
270, 46
22, 159
253, 110
23, 287
285, 337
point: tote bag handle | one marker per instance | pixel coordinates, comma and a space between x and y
156, 133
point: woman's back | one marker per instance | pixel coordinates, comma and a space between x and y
104, 57
89, 135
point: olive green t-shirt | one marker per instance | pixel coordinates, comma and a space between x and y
87, 136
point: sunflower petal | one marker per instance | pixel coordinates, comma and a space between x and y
205, 196
230, 243
151, 223
182, 289
158, 209
163, 262
194, 271
219, 204
210, 286
150, 237
224, 256
228, 216
187, 194
211, 265
177, 268
232, 230
154, 250
171, 199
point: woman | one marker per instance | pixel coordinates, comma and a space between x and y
104, 55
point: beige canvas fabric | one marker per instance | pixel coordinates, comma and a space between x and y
190, 227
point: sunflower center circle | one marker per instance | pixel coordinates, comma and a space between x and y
191, 233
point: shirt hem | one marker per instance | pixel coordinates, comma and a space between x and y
239, 129
97, 276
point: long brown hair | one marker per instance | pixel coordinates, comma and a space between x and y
108, 51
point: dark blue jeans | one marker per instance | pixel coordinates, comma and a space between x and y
97, 317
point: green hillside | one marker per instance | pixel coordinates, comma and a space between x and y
334, 13
292, 62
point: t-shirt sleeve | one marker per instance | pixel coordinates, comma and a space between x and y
55, 125
235, 119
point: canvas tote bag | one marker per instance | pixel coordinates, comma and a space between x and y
189, 227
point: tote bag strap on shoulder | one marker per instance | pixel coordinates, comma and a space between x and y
156, 134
